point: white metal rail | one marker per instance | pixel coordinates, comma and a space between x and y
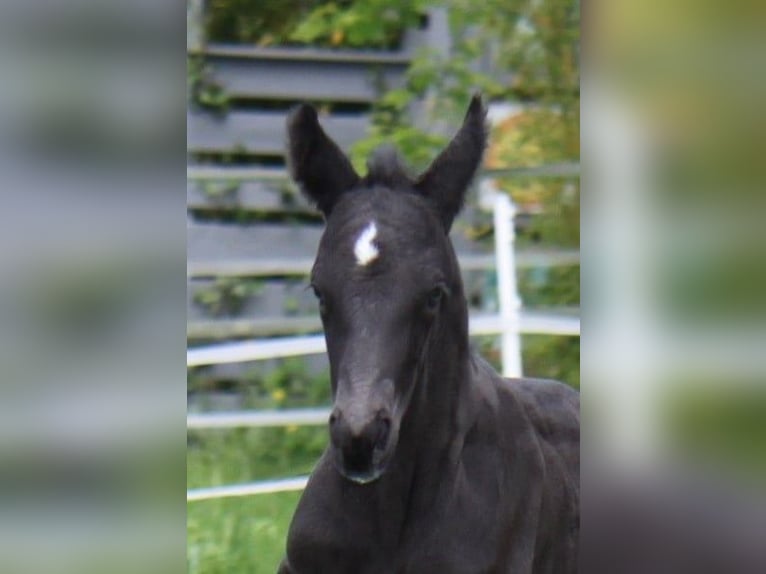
261, 487
316, 416
243, 351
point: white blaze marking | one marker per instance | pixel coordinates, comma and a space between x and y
364, 249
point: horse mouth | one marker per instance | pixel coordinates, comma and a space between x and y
363, 457
362, 477
361, 470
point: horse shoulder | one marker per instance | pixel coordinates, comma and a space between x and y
552, 410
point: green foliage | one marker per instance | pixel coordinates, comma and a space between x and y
445, 85
416, 146
288, 384
549, 286
538, 42
259, 22
559, 224
531, 48
203, 91
291, 385
227, 295
359, 23
552, 357
377, 24
217, 190
291, 305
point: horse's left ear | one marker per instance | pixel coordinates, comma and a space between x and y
317, 164
446, 180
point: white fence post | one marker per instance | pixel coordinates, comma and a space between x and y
509, 302
508, 297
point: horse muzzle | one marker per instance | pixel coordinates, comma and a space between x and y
362, 442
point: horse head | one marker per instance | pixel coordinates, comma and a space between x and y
386, 278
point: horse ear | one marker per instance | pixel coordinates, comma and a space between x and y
446, 180
317, 164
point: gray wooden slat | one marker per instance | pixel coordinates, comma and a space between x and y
555, 170
245, 328
254, 196
300, 266
570, 169
268, 266
304, 79
275, 265
228, 173
316, 55
277, 298
272, 266
218, 249
261, 132
221, 242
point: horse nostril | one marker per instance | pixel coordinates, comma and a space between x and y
334, 416
384, 429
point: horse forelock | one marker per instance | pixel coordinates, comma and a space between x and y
386, 168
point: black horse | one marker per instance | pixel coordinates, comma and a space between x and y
436, 463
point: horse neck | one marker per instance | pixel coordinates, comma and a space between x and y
441, 387
430, 429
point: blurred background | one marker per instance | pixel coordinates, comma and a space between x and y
100, 417
673, 366
379, 71
92, 251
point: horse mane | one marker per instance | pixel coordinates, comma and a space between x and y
386, 168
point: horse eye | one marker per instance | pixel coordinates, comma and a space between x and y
434, 298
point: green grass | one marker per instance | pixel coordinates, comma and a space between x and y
238, 535
216, 457
244, 534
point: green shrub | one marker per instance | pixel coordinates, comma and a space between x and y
376, 24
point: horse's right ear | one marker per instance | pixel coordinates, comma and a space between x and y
317, 164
